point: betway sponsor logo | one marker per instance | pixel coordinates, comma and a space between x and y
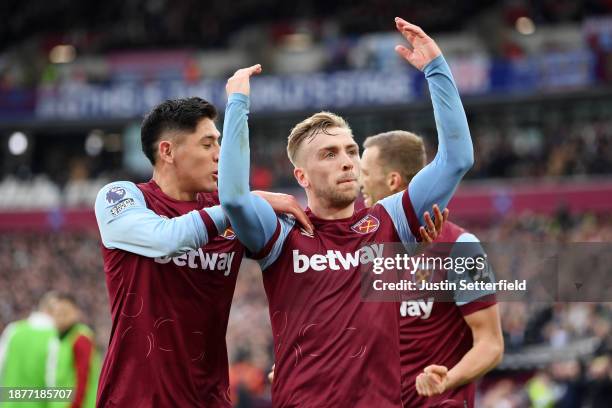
212, 261
336, 260
417, 308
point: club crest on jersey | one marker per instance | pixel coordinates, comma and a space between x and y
366, 225
115, 194
423, 275
229, 234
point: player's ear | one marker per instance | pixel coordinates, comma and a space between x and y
165, 151
394, 181
300, 176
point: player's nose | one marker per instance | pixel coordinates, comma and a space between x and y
347, 163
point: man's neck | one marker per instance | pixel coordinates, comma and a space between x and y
169, 185
330, 213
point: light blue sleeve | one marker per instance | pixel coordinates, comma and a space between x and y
394, 205
252, 218
126, 223
436, 182
467, 246
287, 223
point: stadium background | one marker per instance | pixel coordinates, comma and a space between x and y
536, 81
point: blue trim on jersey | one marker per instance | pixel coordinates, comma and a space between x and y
252, 217
218, 217
394, 207
287, 223
126, 223
469, 246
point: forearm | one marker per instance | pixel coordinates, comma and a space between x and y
437, 182
454, 141
481, 358
234, 159
145, 233
126, 223
252, 218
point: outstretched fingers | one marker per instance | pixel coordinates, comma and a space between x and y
252, 70
407, 28
404, 51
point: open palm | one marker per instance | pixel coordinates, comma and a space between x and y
423, 49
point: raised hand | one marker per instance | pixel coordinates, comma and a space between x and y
423, 49
433, 231
240, 81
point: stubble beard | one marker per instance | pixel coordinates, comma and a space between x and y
336, 198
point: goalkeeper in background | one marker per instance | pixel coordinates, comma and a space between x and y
29, 351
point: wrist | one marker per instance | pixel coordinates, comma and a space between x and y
238, 97
452, 380
433, 64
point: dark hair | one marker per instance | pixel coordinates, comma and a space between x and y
173, 114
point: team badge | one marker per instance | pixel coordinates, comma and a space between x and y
366, 225
423, 275
229, 234
115, 194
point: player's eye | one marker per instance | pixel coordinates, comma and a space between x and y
330, 155
207, 145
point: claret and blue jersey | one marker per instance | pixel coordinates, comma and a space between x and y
331, 348
171, 269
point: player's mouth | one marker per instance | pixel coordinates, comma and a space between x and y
347, 180
215, 175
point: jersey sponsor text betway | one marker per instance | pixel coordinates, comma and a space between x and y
417, 308
336, 260
213, 261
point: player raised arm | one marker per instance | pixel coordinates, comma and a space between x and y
252, 218
437, 181
126, 223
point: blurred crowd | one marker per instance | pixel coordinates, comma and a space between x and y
560, 373
559, 149
142, 23
321, 36
32, 263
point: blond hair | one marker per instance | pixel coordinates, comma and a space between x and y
399, 151
309, 127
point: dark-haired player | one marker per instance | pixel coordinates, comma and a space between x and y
171, 263
331, 348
